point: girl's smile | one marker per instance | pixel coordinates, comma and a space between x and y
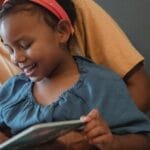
29, 70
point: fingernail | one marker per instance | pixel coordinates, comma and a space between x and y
83, 119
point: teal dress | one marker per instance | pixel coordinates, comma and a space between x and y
98, 87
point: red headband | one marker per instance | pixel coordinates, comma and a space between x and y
54, 7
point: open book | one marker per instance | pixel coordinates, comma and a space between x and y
40, 133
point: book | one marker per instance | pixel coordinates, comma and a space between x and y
41, 133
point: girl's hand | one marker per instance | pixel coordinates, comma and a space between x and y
97, 130
3, 137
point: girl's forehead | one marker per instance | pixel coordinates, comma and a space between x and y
26, 8
18, 23
23, 15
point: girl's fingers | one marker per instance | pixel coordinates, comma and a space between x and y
85, 119
102, 140
94, 114
91, 125
96, 129
96, 132
95, 121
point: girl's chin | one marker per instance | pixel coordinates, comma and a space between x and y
35, 79
39, 79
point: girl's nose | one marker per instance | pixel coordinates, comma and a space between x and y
18, 57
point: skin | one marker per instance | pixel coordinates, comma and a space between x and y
51, 67
1, 2
138, 83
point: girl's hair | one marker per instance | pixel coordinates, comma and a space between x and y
14, 6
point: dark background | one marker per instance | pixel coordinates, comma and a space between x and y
133, 16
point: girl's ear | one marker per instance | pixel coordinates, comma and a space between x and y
64, 30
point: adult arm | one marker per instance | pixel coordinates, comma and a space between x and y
3, 137
4, 134
131, 141
138, 82
124, 142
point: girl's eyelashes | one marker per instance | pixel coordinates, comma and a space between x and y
24, 45
1, 40
19, 46
9, 49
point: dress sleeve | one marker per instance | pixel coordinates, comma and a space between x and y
118, 109
7, 94
106, 91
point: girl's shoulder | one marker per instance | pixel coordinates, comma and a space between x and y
95, 71
96, 80
15, 86
16, 81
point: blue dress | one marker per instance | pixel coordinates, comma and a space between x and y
97, 87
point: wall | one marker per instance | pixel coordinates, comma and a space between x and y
133, 17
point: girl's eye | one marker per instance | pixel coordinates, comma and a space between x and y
7, 47
24, 45
9, 50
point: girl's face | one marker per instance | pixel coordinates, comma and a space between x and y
33, 46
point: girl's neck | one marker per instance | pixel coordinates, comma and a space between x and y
67, 67
48, 90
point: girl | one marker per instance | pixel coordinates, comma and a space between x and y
55, 86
